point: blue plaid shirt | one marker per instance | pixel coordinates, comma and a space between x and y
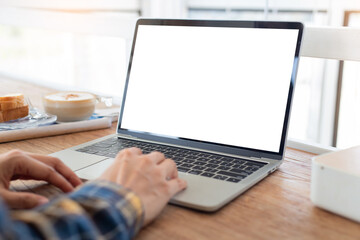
97, 210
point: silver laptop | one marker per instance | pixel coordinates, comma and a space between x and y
214, 96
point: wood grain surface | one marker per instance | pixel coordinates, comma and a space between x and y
278, 207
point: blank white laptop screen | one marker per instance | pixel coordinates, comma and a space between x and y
216, 84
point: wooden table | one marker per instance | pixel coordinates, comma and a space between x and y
278, 207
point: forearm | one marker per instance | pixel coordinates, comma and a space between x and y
96, 210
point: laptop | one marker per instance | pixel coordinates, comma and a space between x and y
215, 96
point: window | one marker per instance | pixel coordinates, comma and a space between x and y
314, 107
84, 44
348, 125
77, 45
64, 60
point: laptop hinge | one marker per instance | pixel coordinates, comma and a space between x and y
126, 136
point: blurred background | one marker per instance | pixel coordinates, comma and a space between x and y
85, 44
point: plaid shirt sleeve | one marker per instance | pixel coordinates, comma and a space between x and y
97, 210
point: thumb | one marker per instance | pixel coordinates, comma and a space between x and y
176, 185
21, 200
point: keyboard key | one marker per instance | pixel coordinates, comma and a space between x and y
198, 167
87, 148
230, 174
227, 159
187, 165
234, 180
252, 169
211, 170
185, 151
215, 157
205, 155
179, 154
189, 154
102, 152
199, 163
214, 161
82, 150
239, 171
228, 164
100, 147
182, 169
177, 158
186, 160
239, 166
195, 153
238, 161
195, 172
104, 144
211, 165
92, 151
224, 168
220, 177
254, 164
206, 174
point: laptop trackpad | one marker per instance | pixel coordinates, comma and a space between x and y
94, 171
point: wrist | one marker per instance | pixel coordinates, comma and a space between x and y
123, 200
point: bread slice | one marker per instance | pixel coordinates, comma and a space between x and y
12, 97
12, 114
11, 101
11, 105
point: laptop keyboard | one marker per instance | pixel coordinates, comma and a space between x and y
188, 161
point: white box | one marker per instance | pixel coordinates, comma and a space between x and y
335, 182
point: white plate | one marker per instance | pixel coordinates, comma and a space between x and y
34, 119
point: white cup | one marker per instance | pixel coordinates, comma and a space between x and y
70, 106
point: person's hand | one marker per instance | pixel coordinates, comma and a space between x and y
21, 165
152, 177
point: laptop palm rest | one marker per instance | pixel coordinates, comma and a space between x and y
195, 196
77, 160
94, 171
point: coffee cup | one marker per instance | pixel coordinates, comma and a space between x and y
70, 106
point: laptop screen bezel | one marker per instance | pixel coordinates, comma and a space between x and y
236, 150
